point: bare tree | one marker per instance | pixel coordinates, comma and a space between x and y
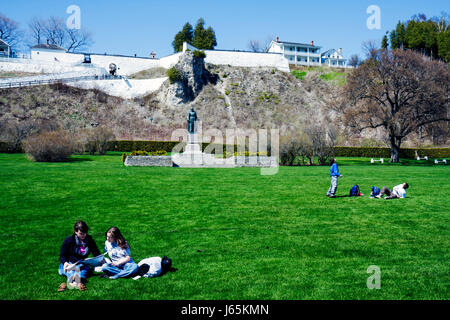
260, 46
77, 40
370, 48
37, 29
9, 31
56, 32
254, 46
354, 61
400, 91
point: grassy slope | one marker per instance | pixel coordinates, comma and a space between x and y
232, 233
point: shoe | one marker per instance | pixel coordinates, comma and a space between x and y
82, 287
332, 196
62, 287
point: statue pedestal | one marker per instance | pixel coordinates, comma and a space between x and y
193, 157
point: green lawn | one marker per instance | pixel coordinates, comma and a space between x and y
232, 233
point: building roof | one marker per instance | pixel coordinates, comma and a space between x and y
330, 51
48, 46
298, 44
3, 43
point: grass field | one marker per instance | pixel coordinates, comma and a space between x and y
232, 233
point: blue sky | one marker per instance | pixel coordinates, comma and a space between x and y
138, 26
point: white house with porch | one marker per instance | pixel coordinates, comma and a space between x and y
297, 53
5, 49
334, 58
307, 54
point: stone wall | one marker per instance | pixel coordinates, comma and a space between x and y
148, 161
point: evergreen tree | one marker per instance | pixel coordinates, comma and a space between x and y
430, 37
185, 35
204, 38
384, 42
443, 40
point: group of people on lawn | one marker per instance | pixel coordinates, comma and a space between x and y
399, 191
80, 244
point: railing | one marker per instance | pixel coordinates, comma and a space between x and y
27, 83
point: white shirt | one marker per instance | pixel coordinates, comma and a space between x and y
155, 266
399, 191
115, 252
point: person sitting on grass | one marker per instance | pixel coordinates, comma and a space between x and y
334, 173
399, 191
74, 248
122, 265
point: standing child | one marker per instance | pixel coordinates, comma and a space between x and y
334, 173
122, 264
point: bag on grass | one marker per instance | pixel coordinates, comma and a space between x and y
374, 191
354, 191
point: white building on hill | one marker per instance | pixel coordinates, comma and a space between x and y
307, 54
334, 58
5, 49
297, 53
46, 52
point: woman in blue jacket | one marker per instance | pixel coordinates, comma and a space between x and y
334, 173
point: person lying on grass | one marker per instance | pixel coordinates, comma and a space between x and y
399, 191
122, 265
74, 248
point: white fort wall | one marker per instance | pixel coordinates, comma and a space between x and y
247, 59
57, 61
126, 65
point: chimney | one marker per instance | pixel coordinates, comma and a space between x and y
312, 42
277, 39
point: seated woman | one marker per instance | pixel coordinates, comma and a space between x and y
122, 265
74, 248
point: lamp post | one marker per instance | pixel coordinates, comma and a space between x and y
151, 120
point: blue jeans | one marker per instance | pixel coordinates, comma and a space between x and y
84, 272
126, 270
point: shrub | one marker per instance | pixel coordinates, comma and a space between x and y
299, 74
174, 75
52, 146
96, 140
199, 54
144, 153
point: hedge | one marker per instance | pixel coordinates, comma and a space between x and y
149, 146
377, 152
371, 152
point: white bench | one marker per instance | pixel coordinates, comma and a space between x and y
373, 160
436, 161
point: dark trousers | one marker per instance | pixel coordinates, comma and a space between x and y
388, 192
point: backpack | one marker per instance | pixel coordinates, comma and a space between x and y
375, 191
354, 191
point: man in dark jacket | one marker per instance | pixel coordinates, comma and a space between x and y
74, 248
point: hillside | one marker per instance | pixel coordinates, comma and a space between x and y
225, 97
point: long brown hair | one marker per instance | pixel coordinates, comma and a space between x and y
115, 232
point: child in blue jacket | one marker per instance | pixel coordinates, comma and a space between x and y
334, 173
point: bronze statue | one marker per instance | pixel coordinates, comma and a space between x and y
192, 118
